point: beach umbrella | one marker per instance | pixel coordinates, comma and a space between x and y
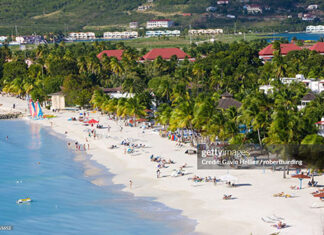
301, 177
228, 178
92, 121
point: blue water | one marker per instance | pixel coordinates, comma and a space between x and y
38, 164
300, 36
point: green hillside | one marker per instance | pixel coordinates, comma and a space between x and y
98, 15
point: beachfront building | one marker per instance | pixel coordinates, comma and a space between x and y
133, 25
111, 53
305, 100
57, 101
318, 47
120, 35
315, 29
159, 33
82, 35
227, 101
165, 53
153, 24
205, 31
267, 53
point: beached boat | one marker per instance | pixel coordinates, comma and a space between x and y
24, 200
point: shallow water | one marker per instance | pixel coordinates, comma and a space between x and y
35, 163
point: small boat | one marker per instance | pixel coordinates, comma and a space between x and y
24, 200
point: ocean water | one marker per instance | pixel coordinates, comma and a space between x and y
35, 163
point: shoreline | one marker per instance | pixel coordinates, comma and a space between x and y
201, 202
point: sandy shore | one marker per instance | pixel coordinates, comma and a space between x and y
199, 201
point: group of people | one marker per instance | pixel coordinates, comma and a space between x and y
129, 144
80, 147
201, 179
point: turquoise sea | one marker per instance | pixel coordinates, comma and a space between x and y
36, 163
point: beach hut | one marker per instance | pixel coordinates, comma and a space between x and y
301, 177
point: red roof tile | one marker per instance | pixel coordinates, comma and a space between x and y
285, 48
319, 47
111, 53
165, 53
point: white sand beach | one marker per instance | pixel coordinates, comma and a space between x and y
203, 201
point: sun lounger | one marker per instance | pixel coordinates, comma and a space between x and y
267, 220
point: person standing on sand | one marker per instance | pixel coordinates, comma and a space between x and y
158, 172
130, 184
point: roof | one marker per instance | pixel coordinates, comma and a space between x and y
228, 102
111, 90
111, 53
226, 95
165, 53
319, 47
309, 96
57, 93
285, 48
159, 20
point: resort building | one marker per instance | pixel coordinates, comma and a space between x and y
133, 25
266, 53
57, 101
111, 53
165, 53
267, 89
144, 7
120, 35
152, 24
162, 33
205, 31
227, 101
315, 29
318, 47
82, 35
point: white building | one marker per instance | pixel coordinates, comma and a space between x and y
119, 35
312, 7
320, 126
205, 31
267, 89
315, 29
159, 33
133, 25
222, 2
152, 24
82, 35
20, 40
316, 86
57, 101
308, 17
144, 7
253, 9
3, 38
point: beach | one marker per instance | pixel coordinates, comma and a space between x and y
203, 201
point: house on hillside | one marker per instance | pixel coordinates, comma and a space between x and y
308, 17
117, 93
152, 24
267, 53
133, 25
144, 7
253, 9
223, 2
227, 101
111, 53
211, 9
312, 7
305, 100
318, 47
165, 53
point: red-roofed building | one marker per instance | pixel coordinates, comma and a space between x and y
165, 53
319, 47
267, 52
111, 53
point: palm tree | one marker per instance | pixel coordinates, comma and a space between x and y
134, 108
